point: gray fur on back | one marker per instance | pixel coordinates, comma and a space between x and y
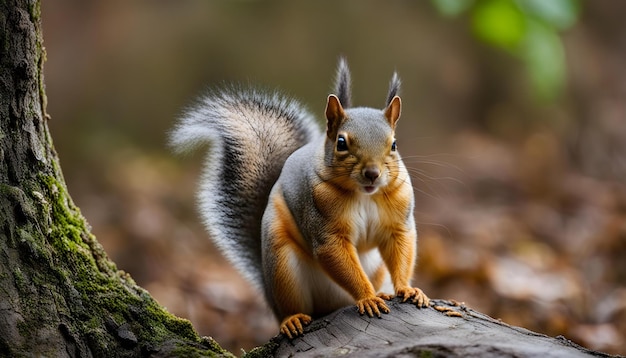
250, 134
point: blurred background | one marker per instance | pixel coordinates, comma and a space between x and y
514, 127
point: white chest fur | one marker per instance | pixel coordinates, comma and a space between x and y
366, 222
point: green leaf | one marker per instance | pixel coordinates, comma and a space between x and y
499, 22
452, 8
544, 56
561, 14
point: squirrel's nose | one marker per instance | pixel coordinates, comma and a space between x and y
371, 173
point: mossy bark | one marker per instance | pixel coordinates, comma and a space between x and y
60, 296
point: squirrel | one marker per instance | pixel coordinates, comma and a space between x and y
316, 220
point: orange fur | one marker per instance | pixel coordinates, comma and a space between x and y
288, 241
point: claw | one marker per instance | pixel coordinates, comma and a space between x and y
453, 313
372, 306
448, 311
457, 303
293, 325
415, 294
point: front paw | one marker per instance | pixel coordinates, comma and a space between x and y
293, 325
372, 306
415, 295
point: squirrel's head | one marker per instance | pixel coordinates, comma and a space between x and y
361, 152
361, 149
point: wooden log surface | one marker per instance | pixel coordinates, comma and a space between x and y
411, 332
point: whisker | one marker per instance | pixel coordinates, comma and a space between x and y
422, 174
436, 225
436, 163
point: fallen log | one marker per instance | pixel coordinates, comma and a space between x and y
446, 329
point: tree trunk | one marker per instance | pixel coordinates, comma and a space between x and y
60, 296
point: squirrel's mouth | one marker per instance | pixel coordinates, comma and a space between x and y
369, 189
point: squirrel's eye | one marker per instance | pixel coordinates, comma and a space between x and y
393, 146
342, 144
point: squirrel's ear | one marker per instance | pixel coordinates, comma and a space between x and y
334, 116
392, 113
343, 83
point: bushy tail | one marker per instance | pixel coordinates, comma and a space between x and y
250, 133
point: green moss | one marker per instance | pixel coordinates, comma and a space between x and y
29, 244
24, 328
426, 354
168, 322
214, 346
110, 297
67, 219
35, 11
212, 350
18, 277
67, 264
266, 350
